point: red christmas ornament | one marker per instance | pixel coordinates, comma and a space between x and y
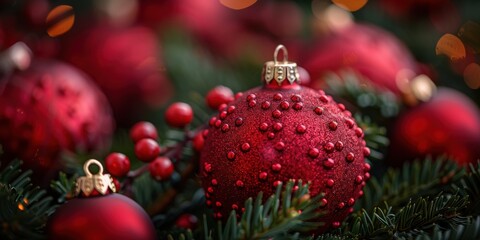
448, 124
161, 168
179, 115
143, 130
48, 108
125, 63
103, 217
369, 51
278, 132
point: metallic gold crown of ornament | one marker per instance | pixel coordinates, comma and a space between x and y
280, 71
100, 182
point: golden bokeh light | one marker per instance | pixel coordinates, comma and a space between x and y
21, 207
60, 20
472, 76
350, 5
451, 46
422, 87
237, 4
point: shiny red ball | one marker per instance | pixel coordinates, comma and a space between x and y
49, 108
113, 216
448, 124
179, 115
367, 50
125, 62
187, 221
117, 164
277, 134
198, 142
147, 150
161, 168
218, 96
143, 130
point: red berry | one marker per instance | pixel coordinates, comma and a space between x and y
143, 130
147, 150
161, 168
187, 221
179, 115
218, 96
198, 142
117, 164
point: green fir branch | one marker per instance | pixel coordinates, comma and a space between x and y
284, 215
24, 208
375, 136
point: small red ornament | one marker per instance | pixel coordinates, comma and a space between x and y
117, 164
49, 108
147, 150
198, 142
179, 115
125, 63
161, 168
102, 217
218, 96
367, 50
143, 130
448, 124
278, 132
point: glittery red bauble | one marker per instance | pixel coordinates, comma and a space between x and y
449, 124
271, 134
125, 63
113, 216
367, 50
48, 108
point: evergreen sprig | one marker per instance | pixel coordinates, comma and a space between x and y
24, 208
375, 136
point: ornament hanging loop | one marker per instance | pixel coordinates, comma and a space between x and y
86, 167
277, 50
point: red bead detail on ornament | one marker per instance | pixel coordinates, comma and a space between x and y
330, 183
329, 163
225, 128
279, 146
336, 224
234, 206
284, 105
263, 175
351, 201
212, 121
323, 202
339, 146
318, 110
358, 132
231, 109
367, 176
218, 123
277, 127
358, 179
252, 103
251, 97
263, 127
329, 147
245, 147
324, 99
313, 152
207, 167
341, 205
298, 106
238, 121
296, 98
366, 151
223, 115
222, 107
360, 193
276, 114
266, 105
218, 204
231, 155
366, 167
350, 123
276, 183
301, 129
277, 96
333, 125
341, 107
238, 95
214, 182
239, 184
276, 167
271, 135
350, 157
210, 190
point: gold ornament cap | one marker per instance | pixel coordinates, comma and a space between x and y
283, 73
100, 182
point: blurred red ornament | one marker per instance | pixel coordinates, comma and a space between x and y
367, 50
161, 168
147, 150
143, 130
198, 142
102, 217
448, 124
187, 221
125, 63
48, 108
